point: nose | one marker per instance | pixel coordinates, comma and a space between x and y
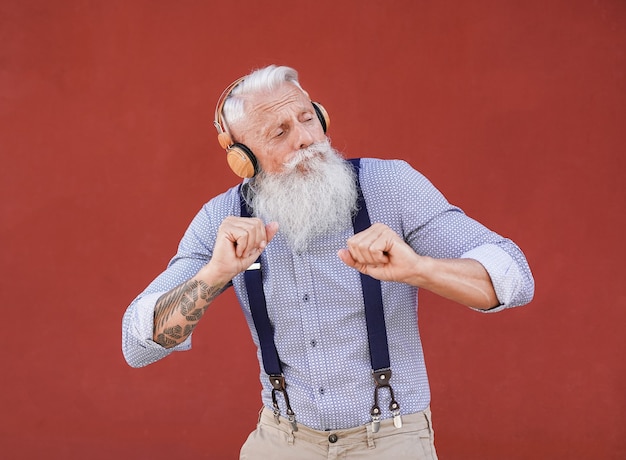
304, 136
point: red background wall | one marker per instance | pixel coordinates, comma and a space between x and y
515, 109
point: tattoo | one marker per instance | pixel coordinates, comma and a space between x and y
165, 341
190, 300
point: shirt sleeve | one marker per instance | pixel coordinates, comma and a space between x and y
505, 274
137, 325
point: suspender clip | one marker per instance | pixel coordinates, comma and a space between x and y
382, 377
278, 385
375, 412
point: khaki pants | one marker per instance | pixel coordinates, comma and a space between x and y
276, 441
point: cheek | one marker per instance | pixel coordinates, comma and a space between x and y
271, 161
320, 135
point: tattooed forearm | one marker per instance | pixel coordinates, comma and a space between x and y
178, 311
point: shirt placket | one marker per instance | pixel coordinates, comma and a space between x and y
312, 334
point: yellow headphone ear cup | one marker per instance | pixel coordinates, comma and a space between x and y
242, 161
322, 115
225, 140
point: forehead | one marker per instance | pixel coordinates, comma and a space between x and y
271, 105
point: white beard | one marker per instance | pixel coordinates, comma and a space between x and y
315, 194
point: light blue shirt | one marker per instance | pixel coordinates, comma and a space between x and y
315, 302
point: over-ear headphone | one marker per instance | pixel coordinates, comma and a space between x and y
239, 157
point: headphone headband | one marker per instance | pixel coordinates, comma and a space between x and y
219, 107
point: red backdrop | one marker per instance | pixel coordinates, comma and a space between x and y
514, 109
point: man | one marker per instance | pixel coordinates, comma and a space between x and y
339, 250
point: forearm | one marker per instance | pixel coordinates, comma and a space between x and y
382, 254
239, 242
464, 281
178, 311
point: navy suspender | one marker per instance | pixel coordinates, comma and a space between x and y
374, 317
372, 296
258, 307
375, 321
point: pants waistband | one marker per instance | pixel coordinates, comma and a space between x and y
410, 423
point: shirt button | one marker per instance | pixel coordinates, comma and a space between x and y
305, 297
313, 343
322, 391
332, 438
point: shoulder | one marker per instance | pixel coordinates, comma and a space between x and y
222, 205
204, 226
398, 182
389, 173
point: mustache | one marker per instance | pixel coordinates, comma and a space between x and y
302, 155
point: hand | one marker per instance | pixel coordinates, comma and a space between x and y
239, 242
380, 253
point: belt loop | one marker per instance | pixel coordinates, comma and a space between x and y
370, 438
290, 438
429, 420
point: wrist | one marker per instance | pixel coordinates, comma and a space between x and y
212, 275
423, 270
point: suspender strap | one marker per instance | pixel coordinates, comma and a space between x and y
372, 295
254, 285
258, 307
375, 321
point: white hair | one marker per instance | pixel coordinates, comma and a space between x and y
261, 80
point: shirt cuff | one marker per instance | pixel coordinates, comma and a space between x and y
503, 271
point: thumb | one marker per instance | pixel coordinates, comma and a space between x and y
346, 258
270, 230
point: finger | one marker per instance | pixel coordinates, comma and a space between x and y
347, 259
366, 247
245, 234
241, 243
256, 238
381, 247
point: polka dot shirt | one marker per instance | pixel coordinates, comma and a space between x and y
315, 302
